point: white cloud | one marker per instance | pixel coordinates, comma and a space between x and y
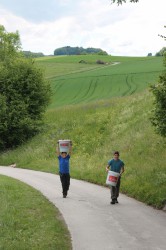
131, 29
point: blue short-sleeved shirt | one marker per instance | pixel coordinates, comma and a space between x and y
116, 165
64, 164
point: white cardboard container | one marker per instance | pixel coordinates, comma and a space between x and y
64, 145
112, 178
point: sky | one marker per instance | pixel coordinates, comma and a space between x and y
127, 30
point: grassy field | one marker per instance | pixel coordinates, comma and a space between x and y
74, 83
97, 129
108, 116
28, 220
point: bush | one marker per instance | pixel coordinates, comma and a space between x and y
24, 97
100, 62
159, 118
159, 91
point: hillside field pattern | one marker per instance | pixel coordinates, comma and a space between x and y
75, 83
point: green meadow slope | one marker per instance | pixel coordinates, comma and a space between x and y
111, 116
73, 82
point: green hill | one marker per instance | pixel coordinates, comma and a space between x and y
74, 83
114, 115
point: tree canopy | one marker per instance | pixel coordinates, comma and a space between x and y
24, 94
67, 50
159, 91
161, 52
159, 115
9, 45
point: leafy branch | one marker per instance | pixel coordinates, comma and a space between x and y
124, 1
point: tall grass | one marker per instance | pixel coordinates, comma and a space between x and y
97, 129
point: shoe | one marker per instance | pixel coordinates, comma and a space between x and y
116, 201
64, 195
112, 202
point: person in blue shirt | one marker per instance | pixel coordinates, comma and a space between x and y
115, 165
64, 169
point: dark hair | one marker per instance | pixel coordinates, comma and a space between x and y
63, 152
116, 153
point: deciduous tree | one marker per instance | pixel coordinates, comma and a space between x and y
24, 93
159, 112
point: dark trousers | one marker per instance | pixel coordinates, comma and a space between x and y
65, 180
115, 190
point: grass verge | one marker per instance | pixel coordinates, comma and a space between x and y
28, 220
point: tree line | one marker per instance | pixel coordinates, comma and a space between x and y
67, 50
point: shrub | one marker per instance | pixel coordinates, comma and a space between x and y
159, 91
24, 97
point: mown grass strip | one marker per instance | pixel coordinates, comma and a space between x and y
28, 220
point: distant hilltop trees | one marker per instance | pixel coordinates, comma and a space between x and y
67, 50
32, 54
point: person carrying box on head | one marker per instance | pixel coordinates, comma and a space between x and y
64, 150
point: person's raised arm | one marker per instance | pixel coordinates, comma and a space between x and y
57, 149
70, 148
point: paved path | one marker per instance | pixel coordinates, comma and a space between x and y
94, 224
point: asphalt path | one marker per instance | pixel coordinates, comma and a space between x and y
93, 222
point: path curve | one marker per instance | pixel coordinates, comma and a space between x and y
94, 224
